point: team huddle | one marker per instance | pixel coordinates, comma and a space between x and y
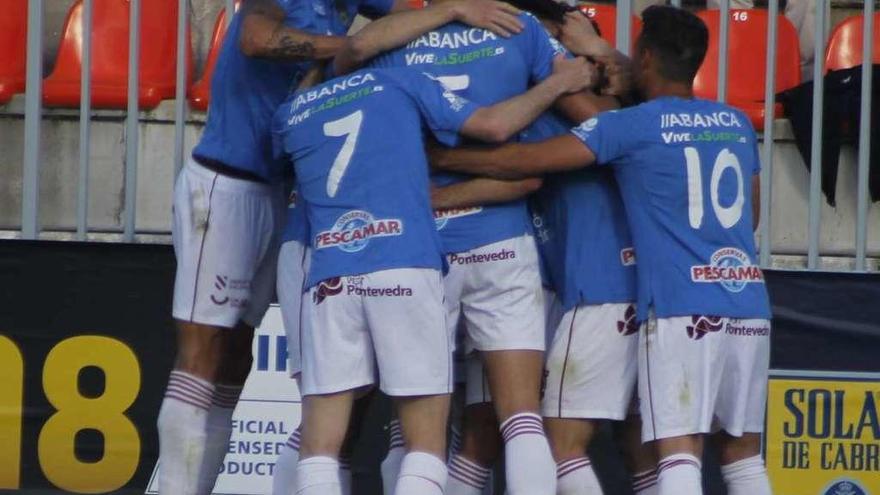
486, 201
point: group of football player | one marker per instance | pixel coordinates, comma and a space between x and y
599, 266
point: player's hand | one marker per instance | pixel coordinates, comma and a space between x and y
499, 17
578, 35
619, 75
576, 73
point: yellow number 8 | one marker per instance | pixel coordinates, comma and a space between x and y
105, 413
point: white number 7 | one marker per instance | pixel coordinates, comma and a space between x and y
350, 127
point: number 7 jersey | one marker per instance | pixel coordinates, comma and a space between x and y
685, 168
357, 146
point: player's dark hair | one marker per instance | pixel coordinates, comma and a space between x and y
543, 9
677, 38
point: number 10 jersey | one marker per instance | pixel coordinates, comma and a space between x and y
685, 168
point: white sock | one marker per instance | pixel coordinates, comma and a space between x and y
679, 474
421, 474
318, 476
530, 468
746, 477
466, 477
645, 483
181, 424
391, 463
284, 476
576, 477
217, 431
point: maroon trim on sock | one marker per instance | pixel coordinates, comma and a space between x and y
294, 440
468, 472
664, 465
644, 480
571, 465
522, 424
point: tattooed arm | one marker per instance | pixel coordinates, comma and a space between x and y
264, 35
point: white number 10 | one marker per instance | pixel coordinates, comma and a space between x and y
350, 127
728, 216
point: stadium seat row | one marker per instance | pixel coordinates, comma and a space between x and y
747, 55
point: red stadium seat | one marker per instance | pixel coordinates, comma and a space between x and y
110, 30
200, 92
606, 17
747, 59
845, 48
13, 48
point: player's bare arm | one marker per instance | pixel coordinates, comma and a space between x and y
515, 160
499, 122
399, 29
264, 35
482, 191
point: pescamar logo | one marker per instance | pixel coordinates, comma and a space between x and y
844, 487
442, 217
352, 231
730, 267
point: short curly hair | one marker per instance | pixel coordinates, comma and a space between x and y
677, 38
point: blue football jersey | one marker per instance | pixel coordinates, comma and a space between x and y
581, 230
246, 91
296, 224
358, 149
685, 170
485, 69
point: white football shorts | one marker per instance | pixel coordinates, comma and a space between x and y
701, 374
293, 261
592, 364
496, 290
225, 240
476, 379
389, 323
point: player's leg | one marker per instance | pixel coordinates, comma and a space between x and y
289, 286
591, 375
390, 467
414, 353
681, 363
503, 306
471, 466
337, 361
639, 458
741, 406
212, 287
325, 423
569, 439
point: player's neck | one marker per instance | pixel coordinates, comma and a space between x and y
662, 89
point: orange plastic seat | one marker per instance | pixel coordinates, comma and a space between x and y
13, 48
110, 31
200, 92
845, 47
606, 17
747, 59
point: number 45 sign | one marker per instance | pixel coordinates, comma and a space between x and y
74, 412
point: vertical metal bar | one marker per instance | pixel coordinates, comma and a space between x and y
862, 202
769, 107
85, 131
676, 4
816, 148
131, 121
230, 11
624, 25
30, 194
723, 43
180, 95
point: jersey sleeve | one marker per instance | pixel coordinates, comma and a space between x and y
609, 135
540, 48
443, 110
375, 8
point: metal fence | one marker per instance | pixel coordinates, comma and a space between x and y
30, 228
